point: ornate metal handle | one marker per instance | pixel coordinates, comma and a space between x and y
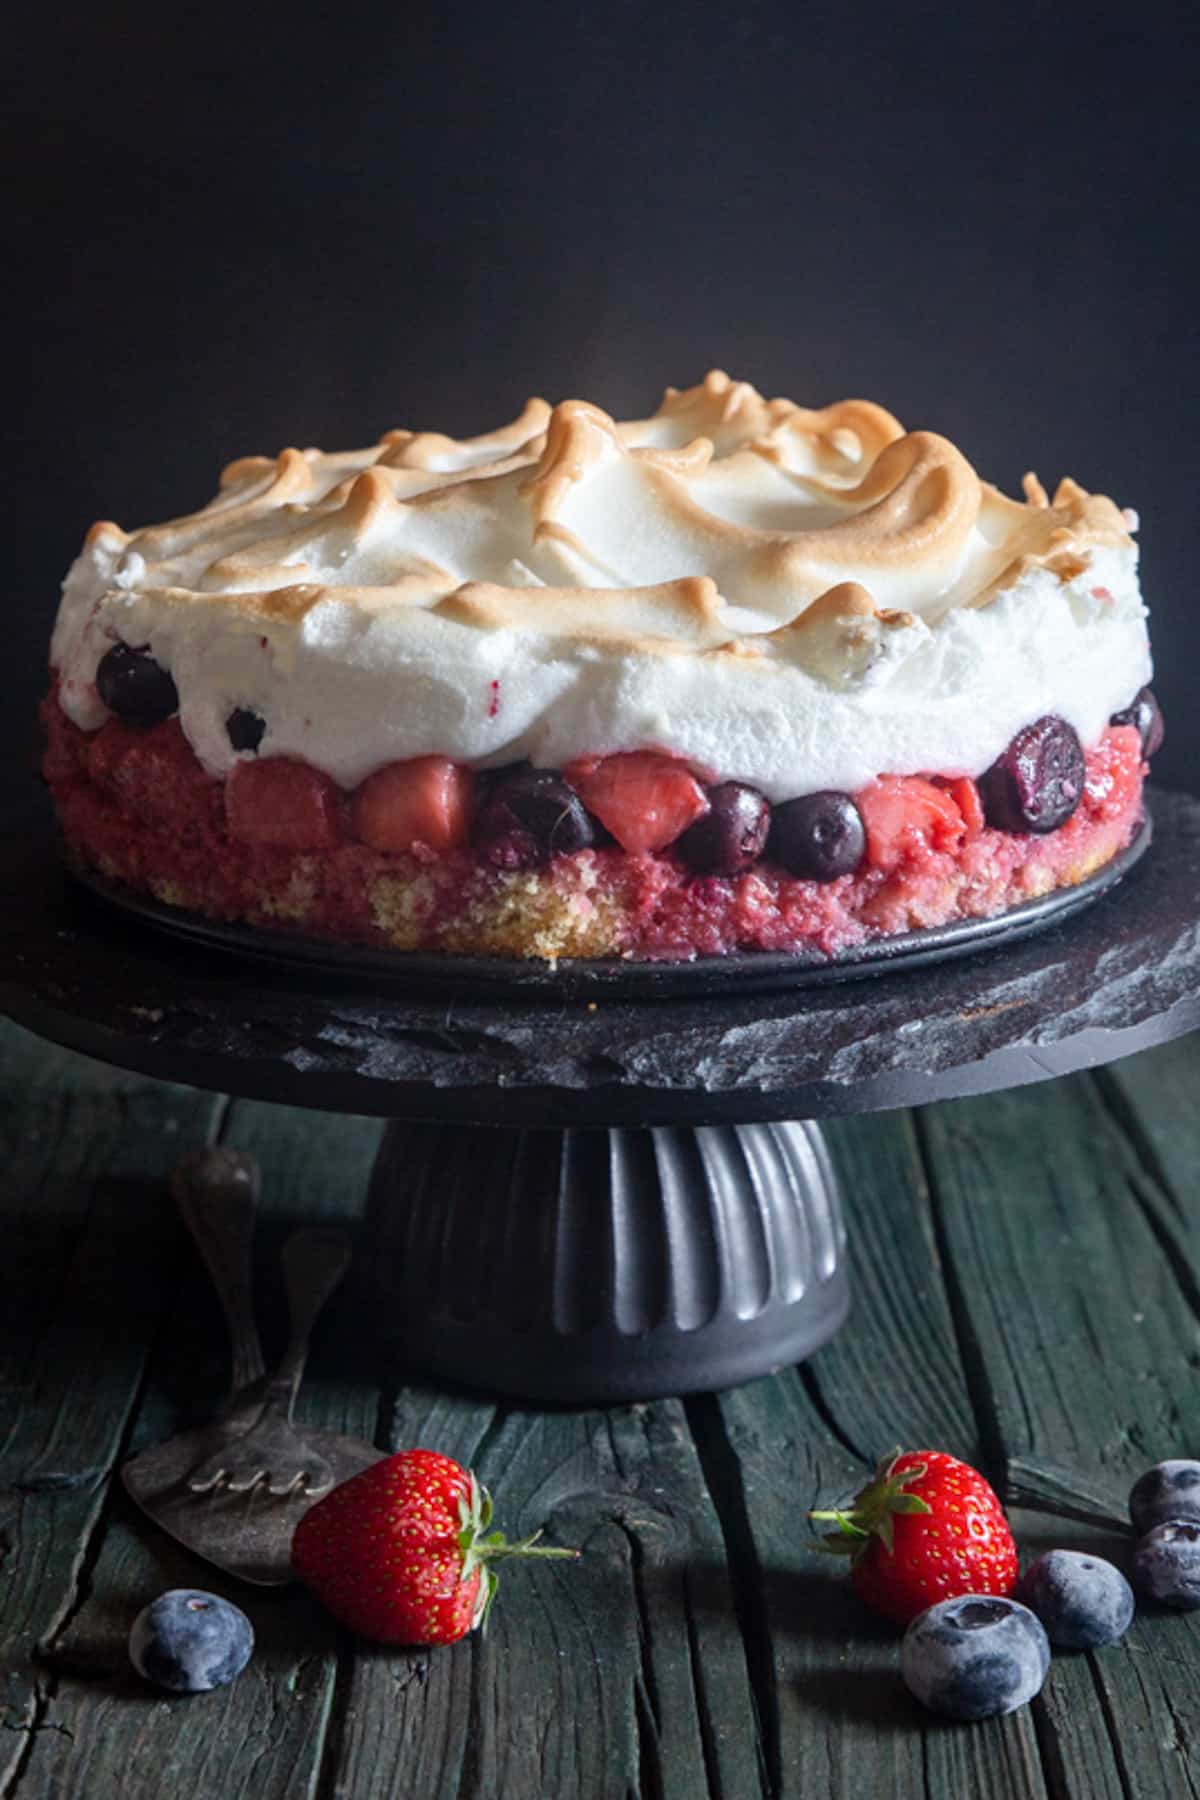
314, 1262
217, 1192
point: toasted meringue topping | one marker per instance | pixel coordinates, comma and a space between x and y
792, 597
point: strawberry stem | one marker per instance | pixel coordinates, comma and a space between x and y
874, 1509
490, 1548
481, 1547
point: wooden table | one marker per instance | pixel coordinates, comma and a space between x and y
1027, 1295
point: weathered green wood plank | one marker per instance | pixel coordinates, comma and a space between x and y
900, 1305
1080, 1750
1050, 1228
664, 1671
1087, 1343
404, 1720
837, 1720
90, 1248
1161, 1095
1155, 1100
263, 1736
622, 1674
1088, 1336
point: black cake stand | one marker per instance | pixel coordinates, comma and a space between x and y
604, 1185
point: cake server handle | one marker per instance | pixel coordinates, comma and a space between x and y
314, 1262
216, 1191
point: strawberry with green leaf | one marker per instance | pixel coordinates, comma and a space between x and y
403, 1552
925, 1528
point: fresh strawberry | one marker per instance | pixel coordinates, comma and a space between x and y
645, 799
427, 801
906, 817
402, 1553
925, 1528
965, 795
283, 804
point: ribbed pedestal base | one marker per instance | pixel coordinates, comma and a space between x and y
605, 1266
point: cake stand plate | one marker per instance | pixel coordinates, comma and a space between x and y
643, 1204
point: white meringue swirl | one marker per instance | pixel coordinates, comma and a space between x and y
796, 599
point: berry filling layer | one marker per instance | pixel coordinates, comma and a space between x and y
635, 854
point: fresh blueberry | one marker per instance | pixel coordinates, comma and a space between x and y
1082, 1600
1145, 715
818, 837
732, 834
525, 815
1038, 782
190, 1641
244, 728
135, 687
1166, 1564
1170, 1490
975, 1656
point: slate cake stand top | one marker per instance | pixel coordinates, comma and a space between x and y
1117, 977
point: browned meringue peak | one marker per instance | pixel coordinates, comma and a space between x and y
733, 415
840, 634
1057, 534
290, 603
910, 515
105, 533
772, 504
334, 529
279, 482
429, 451
915, 508
434, 452
729, 413
676, 615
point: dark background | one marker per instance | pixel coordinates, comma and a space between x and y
283, 226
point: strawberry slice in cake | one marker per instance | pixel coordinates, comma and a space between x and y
739, 676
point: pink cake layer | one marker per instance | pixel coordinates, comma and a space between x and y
136, 806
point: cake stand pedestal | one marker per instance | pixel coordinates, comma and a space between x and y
592, 1199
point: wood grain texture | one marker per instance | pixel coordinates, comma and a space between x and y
621, 1674
90, 1249
903, 1334
836, 1718
264, 1734
1027, 1295
1077, 1301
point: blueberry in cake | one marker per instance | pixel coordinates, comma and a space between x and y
738, 676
